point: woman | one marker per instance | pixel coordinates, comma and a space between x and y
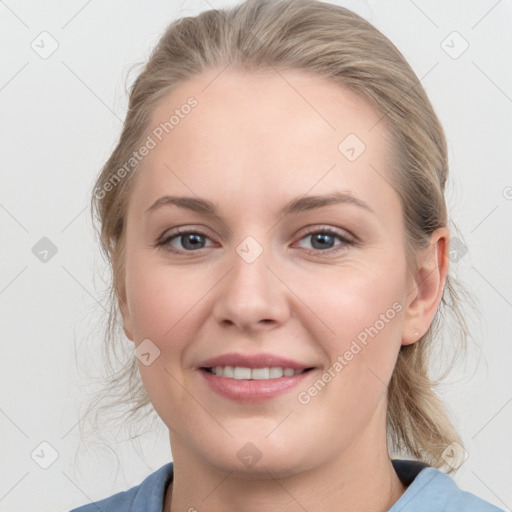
275, 219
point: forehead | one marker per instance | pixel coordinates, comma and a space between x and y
263, 137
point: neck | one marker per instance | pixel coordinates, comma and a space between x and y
362, 478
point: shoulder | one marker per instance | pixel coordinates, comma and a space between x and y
148, 495
432, 489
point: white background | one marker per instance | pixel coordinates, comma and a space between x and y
60, 119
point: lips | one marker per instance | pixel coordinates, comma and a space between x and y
252, 378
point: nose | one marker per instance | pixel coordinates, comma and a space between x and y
252, 296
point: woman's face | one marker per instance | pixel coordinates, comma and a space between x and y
263, 278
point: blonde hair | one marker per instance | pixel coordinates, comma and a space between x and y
334, 43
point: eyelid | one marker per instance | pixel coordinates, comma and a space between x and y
182, 230
318, 228
346, 238
163, 241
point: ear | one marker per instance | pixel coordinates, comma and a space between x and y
426, 286
118, 264
125, 313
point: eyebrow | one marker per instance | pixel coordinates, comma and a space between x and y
297, 205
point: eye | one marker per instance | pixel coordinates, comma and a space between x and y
187, 241
323, 240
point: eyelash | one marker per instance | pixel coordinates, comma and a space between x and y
345, 241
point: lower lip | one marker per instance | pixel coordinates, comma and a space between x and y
252, 390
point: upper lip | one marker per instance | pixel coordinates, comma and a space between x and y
261, 360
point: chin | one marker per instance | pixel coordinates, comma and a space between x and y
261, 458
278, 466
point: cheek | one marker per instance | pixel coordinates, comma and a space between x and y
367, 322
364, 310
163, 305
166, 305
357, 302
161, 298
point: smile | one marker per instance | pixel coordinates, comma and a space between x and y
250, 378
244, 373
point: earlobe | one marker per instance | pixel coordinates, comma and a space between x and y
428, 283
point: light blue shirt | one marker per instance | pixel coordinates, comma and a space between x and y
429, 490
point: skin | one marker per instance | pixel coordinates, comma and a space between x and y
250, 145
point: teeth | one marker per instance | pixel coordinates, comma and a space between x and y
275, 373
260, 373
243, 373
